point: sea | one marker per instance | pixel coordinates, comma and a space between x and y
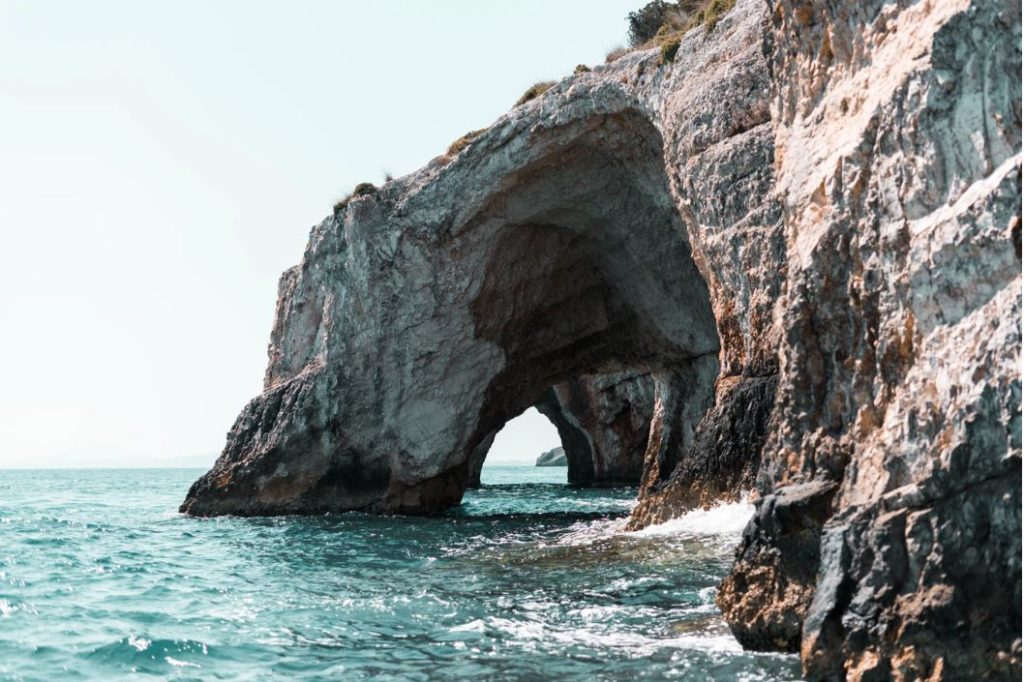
529, 579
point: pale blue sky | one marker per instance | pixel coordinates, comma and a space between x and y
162, 163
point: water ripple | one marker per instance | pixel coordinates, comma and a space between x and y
529, 579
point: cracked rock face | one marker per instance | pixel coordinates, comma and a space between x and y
788, 262
898, 136
897, 145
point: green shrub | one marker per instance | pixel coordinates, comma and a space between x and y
645, 22
463, 142
580, 68
363, 189
669, 48
535, 91
714, 11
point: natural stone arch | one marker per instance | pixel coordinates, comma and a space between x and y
425, 316
838, 201
603, 422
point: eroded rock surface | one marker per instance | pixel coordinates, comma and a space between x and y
426, 315
788, 263
897, 144
722, 461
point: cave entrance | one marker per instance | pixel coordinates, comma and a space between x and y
590, 293
596, 426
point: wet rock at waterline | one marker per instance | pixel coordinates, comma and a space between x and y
800, 240
721, 462
554, 457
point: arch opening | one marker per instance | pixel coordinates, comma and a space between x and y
522, 440
590, 292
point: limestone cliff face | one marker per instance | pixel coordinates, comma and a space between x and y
788, 263
897, 145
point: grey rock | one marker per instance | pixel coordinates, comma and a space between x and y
603, 423
554, 457
722, 461
421, 318
898, 137
779, 555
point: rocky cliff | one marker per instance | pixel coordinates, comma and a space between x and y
897, 144
786, 261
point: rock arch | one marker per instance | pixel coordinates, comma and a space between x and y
425, 316
604, 422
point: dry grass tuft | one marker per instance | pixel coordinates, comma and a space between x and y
363, 189
662, 24
714, 11
615, 54
455, 147
535, 91
669, 48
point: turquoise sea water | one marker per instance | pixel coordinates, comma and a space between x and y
101, 578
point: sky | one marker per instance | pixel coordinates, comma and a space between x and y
162, 164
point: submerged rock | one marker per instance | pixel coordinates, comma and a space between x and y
786, 263
552, 458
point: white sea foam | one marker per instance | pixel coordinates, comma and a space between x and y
138, 643
589, 532
724, 522
724, 519
181, 664
472, 626
638, 643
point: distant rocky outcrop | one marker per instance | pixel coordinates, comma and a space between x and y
785, 257
552, 458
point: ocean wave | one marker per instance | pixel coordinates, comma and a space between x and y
138, 653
